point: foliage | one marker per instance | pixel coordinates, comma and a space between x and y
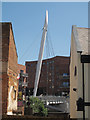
37, 106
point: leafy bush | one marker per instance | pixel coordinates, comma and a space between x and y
37, 106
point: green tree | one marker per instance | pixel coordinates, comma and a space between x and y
37, 106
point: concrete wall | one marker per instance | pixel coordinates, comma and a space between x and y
79, 83
89, 90
76, 82
73, 80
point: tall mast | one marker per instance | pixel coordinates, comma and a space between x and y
39, 63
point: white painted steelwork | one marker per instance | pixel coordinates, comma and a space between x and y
39, 64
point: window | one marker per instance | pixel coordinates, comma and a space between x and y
65, 74
50, 74
28, 65
52, 86
50, 80
75, 71
65, 84
14, 96
52, 61
43, 63
31, 65
21, 71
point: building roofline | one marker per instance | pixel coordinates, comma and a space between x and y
79, 48
48, 59
75, 34
13, 38
6, 22
10, 24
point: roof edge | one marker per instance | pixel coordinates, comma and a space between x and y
13, 36
75, 34
47, 59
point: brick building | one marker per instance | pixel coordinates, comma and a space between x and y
21, 67
23, 78
54, 77
9, 70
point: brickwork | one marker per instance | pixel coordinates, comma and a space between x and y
51, 77
5, 50
9, 69
21, 67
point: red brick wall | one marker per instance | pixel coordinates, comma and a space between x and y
9, 63
5, 50
12, 69
51, 71
61, 66
12, 58
21, 67
4, 92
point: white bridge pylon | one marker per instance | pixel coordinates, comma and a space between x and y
40, 57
